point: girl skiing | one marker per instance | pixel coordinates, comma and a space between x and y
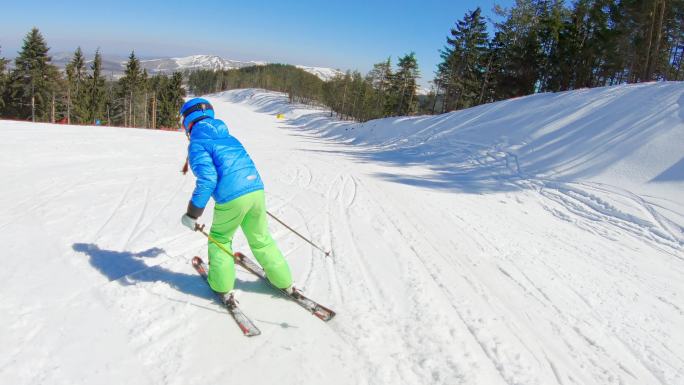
225, 172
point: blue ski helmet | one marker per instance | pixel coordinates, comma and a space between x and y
195, 110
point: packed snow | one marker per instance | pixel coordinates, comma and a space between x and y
531, 241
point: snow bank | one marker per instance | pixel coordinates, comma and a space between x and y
627, 139
631, 134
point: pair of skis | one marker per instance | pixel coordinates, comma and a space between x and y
244, 323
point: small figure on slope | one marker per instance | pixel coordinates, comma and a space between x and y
225, 172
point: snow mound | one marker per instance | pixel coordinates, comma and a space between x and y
625, 140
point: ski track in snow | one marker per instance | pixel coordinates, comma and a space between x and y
532, 277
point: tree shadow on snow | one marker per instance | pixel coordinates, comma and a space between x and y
490, 148
129, 268
673, 174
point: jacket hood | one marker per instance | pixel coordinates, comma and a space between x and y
209, 129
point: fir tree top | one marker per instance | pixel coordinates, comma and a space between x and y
96, 66
132, 71
408, 66
33, 56
75, 69
3, 62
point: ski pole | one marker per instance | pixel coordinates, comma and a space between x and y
200, 228
327, 253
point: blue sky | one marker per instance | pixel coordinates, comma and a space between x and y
351, 34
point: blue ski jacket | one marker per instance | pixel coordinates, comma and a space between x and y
220, 163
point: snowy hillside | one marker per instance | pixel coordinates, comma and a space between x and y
323, 73
212, 62
115, 65
530, 241
194, 62
111, 64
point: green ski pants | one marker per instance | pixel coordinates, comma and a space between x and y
248, 212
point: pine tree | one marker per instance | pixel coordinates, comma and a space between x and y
33, 80
380, 78
461, 72
331, 93
489, 82
3, 82
520, 57
95, 92
552, 14
402, 100
650, 29
110, 103
172, 101
674, 27
76, 94
128, 90
157, 85
144, 88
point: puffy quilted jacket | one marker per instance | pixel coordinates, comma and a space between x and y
223, 168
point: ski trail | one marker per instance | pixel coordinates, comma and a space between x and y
543, 299
673, 231
165, 206
43, 201
115, 209
541, 305
140, 216
475, 331
347, 195
597, 215
464, 254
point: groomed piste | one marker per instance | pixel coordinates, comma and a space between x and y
537, 240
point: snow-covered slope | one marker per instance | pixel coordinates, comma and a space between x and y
627, 138
194, 62
111, 64
115, 65
322, 72
213, 62
531, 241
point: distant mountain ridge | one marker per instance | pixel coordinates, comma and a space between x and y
115, 65
194, 62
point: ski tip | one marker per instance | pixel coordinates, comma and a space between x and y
249, 331
196, 261
325, 316
252, 333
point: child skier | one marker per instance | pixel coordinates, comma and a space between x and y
225, 172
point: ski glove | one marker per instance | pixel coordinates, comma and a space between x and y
189, 222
